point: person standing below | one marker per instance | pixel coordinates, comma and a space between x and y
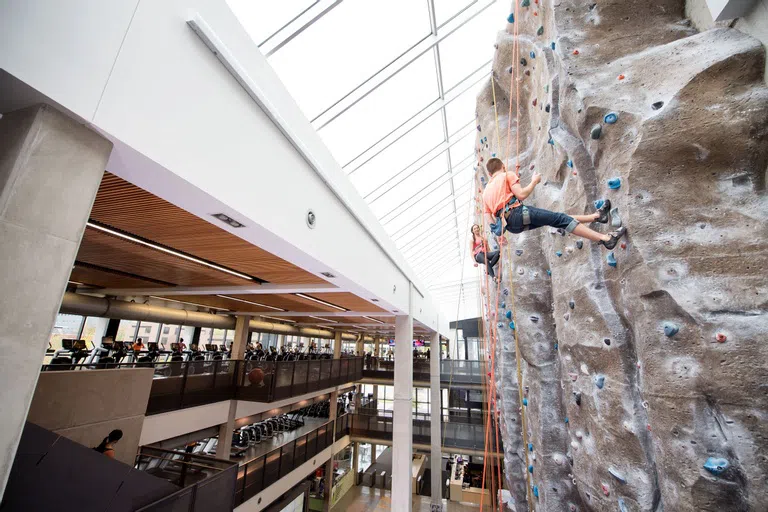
107, 446
481, 253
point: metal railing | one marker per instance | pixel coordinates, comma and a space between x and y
207, 484
258, 474
453, 371
177, 385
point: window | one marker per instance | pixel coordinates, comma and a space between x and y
421, 400
149, 332
166, 329
126, 331
94, 329
206, 333
65, 327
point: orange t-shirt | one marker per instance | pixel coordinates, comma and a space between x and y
497, 193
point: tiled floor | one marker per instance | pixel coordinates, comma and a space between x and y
366, 499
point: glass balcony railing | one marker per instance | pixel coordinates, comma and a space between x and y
452, 371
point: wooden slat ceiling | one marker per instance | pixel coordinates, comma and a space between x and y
124, 206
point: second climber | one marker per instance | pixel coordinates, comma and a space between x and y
480, 251
504, 196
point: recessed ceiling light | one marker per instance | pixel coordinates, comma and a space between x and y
323, 319
374, 300
223, 217
324, 303
259, 304
166, 250
327, 274
187, 302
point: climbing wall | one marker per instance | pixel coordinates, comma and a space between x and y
645, 368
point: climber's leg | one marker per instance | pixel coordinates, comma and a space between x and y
592, 217
492, 258
590, 234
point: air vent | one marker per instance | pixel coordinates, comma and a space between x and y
223, 217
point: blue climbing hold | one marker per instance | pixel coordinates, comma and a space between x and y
566, 420
503, 305
512, 325
569, 163
530, 468
622, 506
552, 45
716, 466
493, 154
611, 118
532, 54
482, 180
550, 141
535, 491
519, 252
599, 381
530, 447
618, 476
670, 329
534, 318
549, 272
611, 259
559, 254
556, 346
599, 204
525, 401
500, 325
508, 314
511, 18
614, 183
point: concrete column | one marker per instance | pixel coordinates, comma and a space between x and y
226, 430
241, 337
376, 387
402, 423
436, 452
332, 416
50, 171
373, 454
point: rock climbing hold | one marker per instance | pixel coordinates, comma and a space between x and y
530, 468
521, 271
579, 244
535, 101
623, 245
614, 183
611, 118
519, 252
479, 129
552, 45
607, 341
572, 507
532, 54
657, 105
556, 345
621, 77
558, 254
540, 31
606, 489
534, 318
622, 506
577, 397
575, 173
500, 325
551, 141
721, 338
535, 491
511, 18
527, 72
596, 131
571, 304
599, 203
615, 218
525, 3
512, 325
475, 264
611, 259
508, 314
716, 466
670, 329
510, 69
503, 305
560, 231
525, 401
618, 476
482, 179
506, 291
575, 52
535, 13
549, 272
566, 420
493, 155
535, 274
547, 108
599, 381
530, 447
569, 163
523, 62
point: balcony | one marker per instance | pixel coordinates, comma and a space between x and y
452, 372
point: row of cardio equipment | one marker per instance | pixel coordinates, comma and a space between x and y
110, 354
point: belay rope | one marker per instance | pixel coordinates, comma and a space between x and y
490, 311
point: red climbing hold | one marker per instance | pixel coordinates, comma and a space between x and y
623, 245
621, 77
535, 13
532, 167
721, 337
535, 101
605, 488
489, 374
575, 173
648, 427
527, 72
575, 52
475, 264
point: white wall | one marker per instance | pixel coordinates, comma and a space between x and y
185, 130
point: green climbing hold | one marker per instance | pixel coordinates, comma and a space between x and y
540, 31
596, 131
611, 259
525, 3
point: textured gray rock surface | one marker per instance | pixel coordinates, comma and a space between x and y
690, 146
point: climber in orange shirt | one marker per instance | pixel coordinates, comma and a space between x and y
504, 196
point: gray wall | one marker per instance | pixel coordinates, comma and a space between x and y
85, 406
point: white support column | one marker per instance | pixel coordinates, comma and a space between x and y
436, 418
226, 430
402, 425
241, 337
332, 416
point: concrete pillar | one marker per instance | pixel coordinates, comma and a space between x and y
436, 452
332, 416
50, 171
373, 454
241, 337
226, 431
376, 341
402, 422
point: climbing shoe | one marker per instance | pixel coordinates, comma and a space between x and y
615, 236
605, 212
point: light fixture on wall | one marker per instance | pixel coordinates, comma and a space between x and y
166, 250
324, 303
259, 304
223, 217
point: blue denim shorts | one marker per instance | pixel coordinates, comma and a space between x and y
539, 218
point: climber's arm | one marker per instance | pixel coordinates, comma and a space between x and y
521, 193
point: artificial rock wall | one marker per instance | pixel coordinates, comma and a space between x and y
635, 374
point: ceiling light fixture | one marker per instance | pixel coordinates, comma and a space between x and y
278, 319
187, 302
223, 217
324, 303
374, 320
327, 274
166, 250
323, 319
259, 304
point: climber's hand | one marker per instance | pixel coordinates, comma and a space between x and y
535, 178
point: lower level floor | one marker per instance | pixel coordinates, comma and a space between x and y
361, 498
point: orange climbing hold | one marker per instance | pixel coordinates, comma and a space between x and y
575, 173
721, 338
623, 245
621, 77
575, 52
